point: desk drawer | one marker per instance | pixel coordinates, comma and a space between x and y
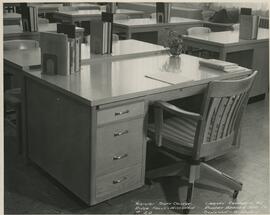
120, 112
119, 145
118, 182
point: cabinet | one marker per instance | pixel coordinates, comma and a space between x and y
97, 153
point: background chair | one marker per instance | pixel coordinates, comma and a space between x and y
236, 27
195, 137
198, 30
12, 97
115, 37
195, 51
264, 22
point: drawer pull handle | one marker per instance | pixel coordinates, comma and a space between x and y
119, 180
116, 134
121, 113
120, 157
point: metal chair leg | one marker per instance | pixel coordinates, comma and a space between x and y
189, 197
221, 178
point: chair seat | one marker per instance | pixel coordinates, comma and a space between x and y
177, 134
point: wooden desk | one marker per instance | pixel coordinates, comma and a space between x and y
138, 28
87, 15
15, 61
12, 18
14, 32
101, 152
252, 54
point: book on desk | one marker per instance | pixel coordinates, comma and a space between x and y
220, 65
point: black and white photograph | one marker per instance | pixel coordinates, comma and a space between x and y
132, 107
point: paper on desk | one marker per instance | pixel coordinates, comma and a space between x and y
169, 77
236, 69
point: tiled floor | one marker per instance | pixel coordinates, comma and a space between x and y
29, 190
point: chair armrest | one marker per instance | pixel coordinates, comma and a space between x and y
177, 111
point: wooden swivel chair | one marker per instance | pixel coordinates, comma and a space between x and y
198, 31
195, 137
12, 97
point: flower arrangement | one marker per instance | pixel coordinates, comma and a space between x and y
174, 43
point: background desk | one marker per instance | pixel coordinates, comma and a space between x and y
14, 32
252, 54
12, 18
149, 30
88, 15
100, 153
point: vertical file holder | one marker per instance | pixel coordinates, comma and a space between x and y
101, 34
249, 25
54, 53
74, 46
29, 18
163, 12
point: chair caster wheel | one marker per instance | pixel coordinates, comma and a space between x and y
185, 211
235, 194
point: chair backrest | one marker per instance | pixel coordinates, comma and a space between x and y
264, 22
20, 44
198, 30
236, 27
119, 16
115, 37
222, 110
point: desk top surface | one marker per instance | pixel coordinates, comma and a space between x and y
227, 37
11, 16
17, 29
121, 49
46, 6
84, 6
78, 13
153, 22
104, 82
